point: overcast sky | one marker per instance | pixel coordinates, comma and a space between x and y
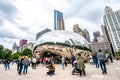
22, 19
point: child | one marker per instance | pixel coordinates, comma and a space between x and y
51, 70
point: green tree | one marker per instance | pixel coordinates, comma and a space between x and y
3, 54
1, 50
27, 52
118, 54
8, 54
16, 55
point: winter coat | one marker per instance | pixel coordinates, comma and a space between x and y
80, 62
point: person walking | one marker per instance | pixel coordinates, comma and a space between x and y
72, 59
25, 64
63, 62
95, 59
110, 57
21, 65
18, 63
7, 64
101, 58
44, 61
81, 65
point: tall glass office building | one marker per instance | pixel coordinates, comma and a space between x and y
58, 20
112, 25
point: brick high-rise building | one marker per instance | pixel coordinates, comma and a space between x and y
21, 43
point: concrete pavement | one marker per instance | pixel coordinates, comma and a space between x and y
113, 73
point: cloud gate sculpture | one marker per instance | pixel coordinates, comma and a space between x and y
62, 43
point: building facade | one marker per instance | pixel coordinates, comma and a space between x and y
28, 45
15, 48
21, 43
100, 39
58, 20
96, 34
104, 32
87, 36
104, 46
112, 26
78, 30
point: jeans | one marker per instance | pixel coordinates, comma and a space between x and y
20, 69
7, 66
44, 64
63, 63
103, 66
96, 63
25, 70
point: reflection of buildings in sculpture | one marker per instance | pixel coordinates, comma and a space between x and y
63, 37
42, 32
60, 36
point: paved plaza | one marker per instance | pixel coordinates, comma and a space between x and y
113, 73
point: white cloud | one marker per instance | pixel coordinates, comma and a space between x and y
32, 16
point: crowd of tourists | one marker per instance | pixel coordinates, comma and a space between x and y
23, 62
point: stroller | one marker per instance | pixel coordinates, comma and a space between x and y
75, 69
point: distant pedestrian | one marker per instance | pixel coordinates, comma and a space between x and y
95, 59
63, 62
7, 64
110, 57
101, 57
34, 61
72, 59
44, 61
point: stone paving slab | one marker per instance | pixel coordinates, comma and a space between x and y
113, 73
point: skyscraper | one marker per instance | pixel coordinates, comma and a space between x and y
14, 48
112, 25
58, 20
104, 32
87, 36
78, 30
21, 43
96, 34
